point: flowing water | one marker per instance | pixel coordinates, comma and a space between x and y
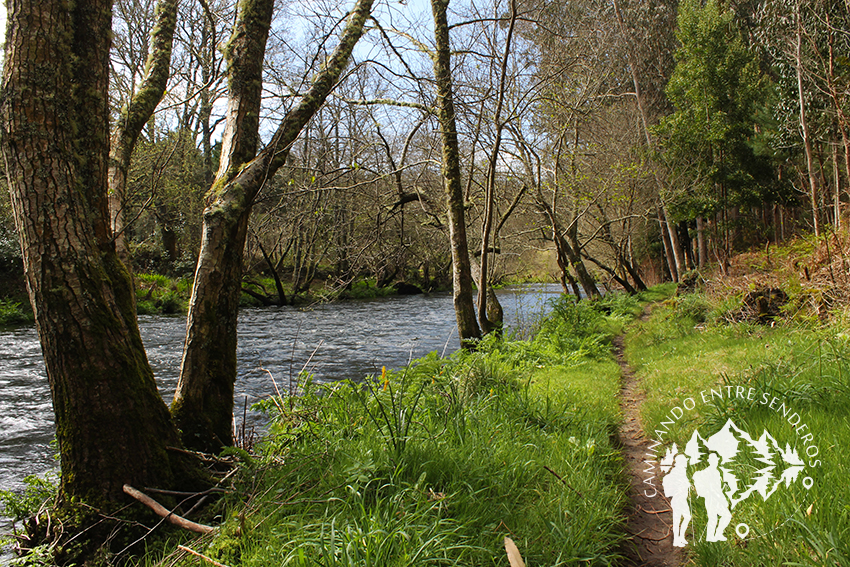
332, 341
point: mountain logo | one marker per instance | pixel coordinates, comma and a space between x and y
724, 470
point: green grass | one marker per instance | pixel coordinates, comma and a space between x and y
160, 295
438, 462
805, 366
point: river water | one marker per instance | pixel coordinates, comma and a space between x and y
332, 341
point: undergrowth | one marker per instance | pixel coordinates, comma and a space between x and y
13, 313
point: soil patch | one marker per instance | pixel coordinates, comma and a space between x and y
649, 519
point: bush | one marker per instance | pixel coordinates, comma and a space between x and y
13, 313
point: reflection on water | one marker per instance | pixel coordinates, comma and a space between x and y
332, 341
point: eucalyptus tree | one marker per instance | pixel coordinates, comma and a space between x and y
803, 43
717, 90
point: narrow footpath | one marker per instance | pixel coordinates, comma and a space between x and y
649, 521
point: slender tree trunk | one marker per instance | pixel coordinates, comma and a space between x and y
467, 325
836, 179
702, 244
483, 283
573, 250
671, 242
111, 424
203, 401
136, 114
804, 123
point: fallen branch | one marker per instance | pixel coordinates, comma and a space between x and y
202, 556
163, 512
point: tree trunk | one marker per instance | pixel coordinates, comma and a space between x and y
573, 250
203, 401
136, 114
668, 234
111, 424
495, 314
702, 245
461, 273
484, 291
804, 123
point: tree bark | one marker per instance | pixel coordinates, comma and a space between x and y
111, 424
203, 401
484, 291
467, 325
136, 114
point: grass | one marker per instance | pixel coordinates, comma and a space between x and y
438, 462
160, 295
804, 365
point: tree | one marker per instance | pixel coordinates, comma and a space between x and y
461, 270
135, 114
717, 89
203, 401
111, 424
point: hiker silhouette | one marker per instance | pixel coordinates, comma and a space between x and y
676, 487
708, 483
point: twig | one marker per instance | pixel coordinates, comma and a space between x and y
202, 556
564, 481
163, 512
183, 493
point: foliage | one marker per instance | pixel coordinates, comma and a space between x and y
37, 493
717, 90
14, 313
158, 294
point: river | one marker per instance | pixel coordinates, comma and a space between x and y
333, 341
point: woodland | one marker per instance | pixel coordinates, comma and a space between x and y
270, 148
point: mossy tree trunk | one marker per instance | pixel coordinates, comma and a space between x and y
111, 424
203, 402
467, 324
136, 114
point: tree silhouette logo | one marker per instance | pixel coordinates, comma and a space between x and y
725, 469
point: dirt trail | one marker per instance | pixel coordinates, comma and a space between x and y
649, 521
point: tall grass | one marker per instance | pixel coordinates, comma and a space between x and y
437, 463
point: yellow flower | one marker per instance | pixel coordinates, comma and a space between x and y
384, 378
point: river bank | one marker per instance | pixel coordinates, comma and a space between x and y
440, 461
443, 461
